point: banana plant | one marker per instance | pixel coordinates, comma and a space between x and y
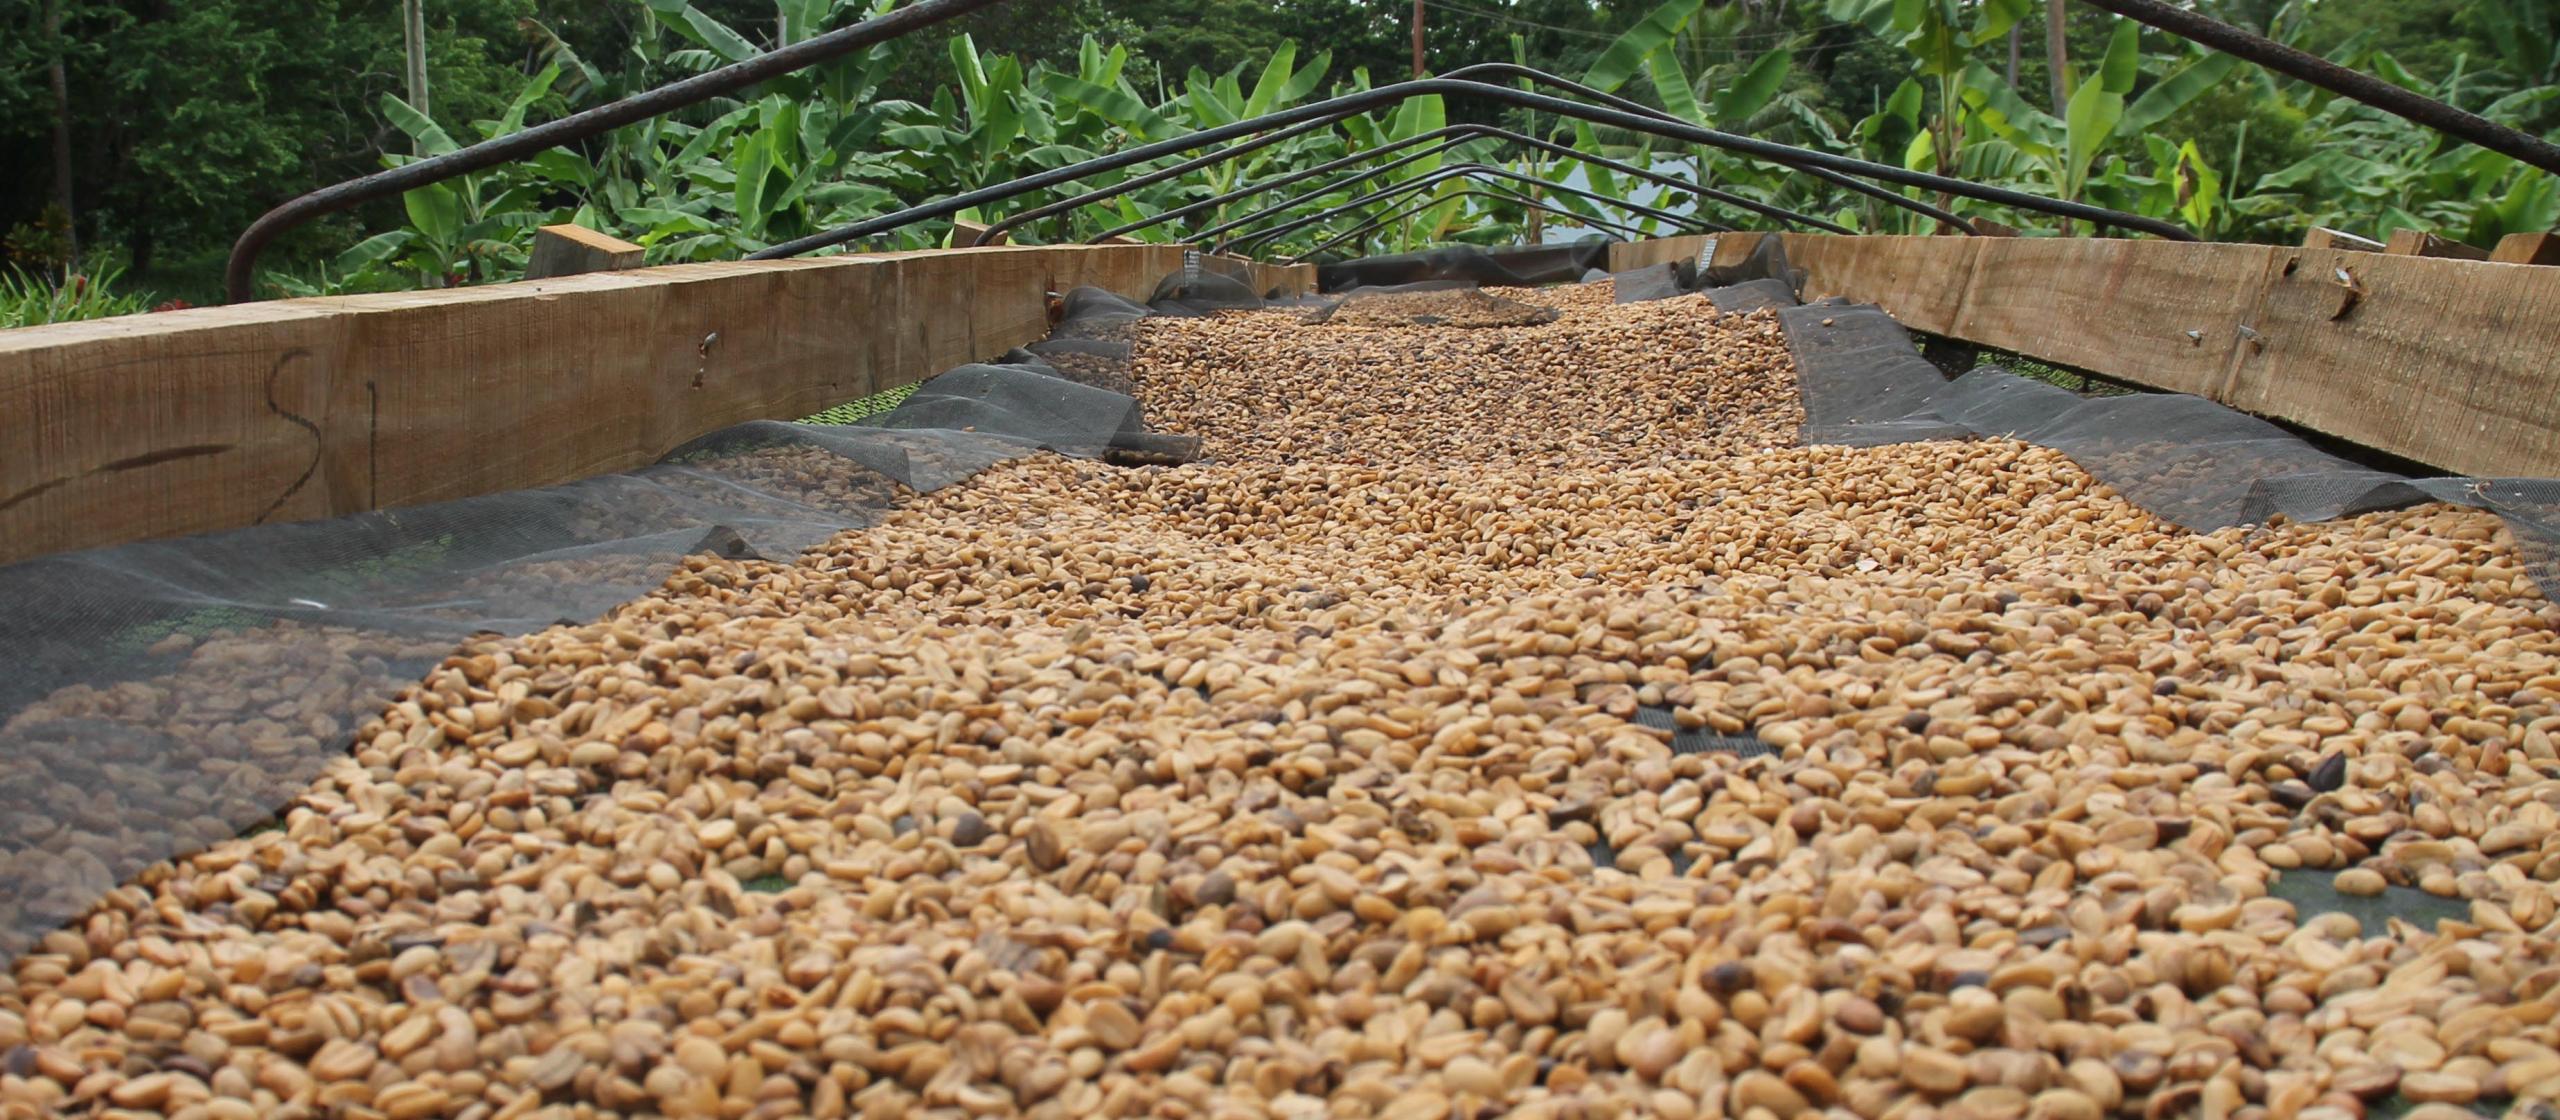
2527, 33
1940, 40
2381, 173
463, 228
2066, 151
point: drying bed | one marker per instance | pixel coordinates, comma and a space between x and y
1355, 770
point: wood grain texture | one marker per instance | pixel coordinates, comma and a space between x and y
567, 250
2419, 243
2527, 248
2157, 313
1920, 281
965, 235
219, 418
2443, 361
2322, 237
2446, 362
1629, 255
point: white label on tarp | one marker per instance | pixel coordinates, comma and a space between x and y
1707, 254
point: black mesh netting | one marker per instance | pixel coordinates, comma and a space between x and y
169, 694
1512, 267
2198, 464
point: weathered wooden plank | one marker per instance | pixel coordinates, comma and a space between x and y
2159, 313
2527, 248
2446, 362
1626, 256
1918, 280
218, 418
2420, 243
965, 235
567, 250
2439, 360
2322, 237
1284, 279
114, 429
1132, 271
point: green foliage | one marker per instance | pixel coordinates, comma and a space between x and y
30, 299
817, 152
280, 101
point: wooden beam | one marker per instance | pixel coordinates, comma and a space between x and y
218, 418
1626, 256
2420, 243
2443, 361
964, 235
2322, 237
567, 250
1918, 280
1730, 249
2527, 248
2438, 360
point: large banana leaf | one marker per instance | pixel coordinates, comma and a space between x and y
2170, 94
710, 34
1112, 103
1626, 54
1752, 92
1671, 84
427, 134
435, 211
1275, 78
800, 19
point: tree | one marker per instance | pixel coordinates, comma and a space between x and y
188, 119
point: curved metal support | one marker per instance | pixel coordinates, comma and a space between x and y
1467, 131
2412, 107
1531, 74
1578, 192
1147, 180
240, 274
1374, 223
1480, 172
1489, 69
1782, 154
1447, 141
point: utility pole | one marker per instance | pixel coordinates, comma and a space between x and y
2016, 33
2057, 60
1417, 38
413, 36
61, 85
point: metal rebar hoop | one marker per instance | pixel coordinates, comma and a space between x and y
1467, 131
1479, 172
1428, 203
1385, 95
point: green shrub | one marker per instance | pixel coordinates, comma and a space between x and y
30, 299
